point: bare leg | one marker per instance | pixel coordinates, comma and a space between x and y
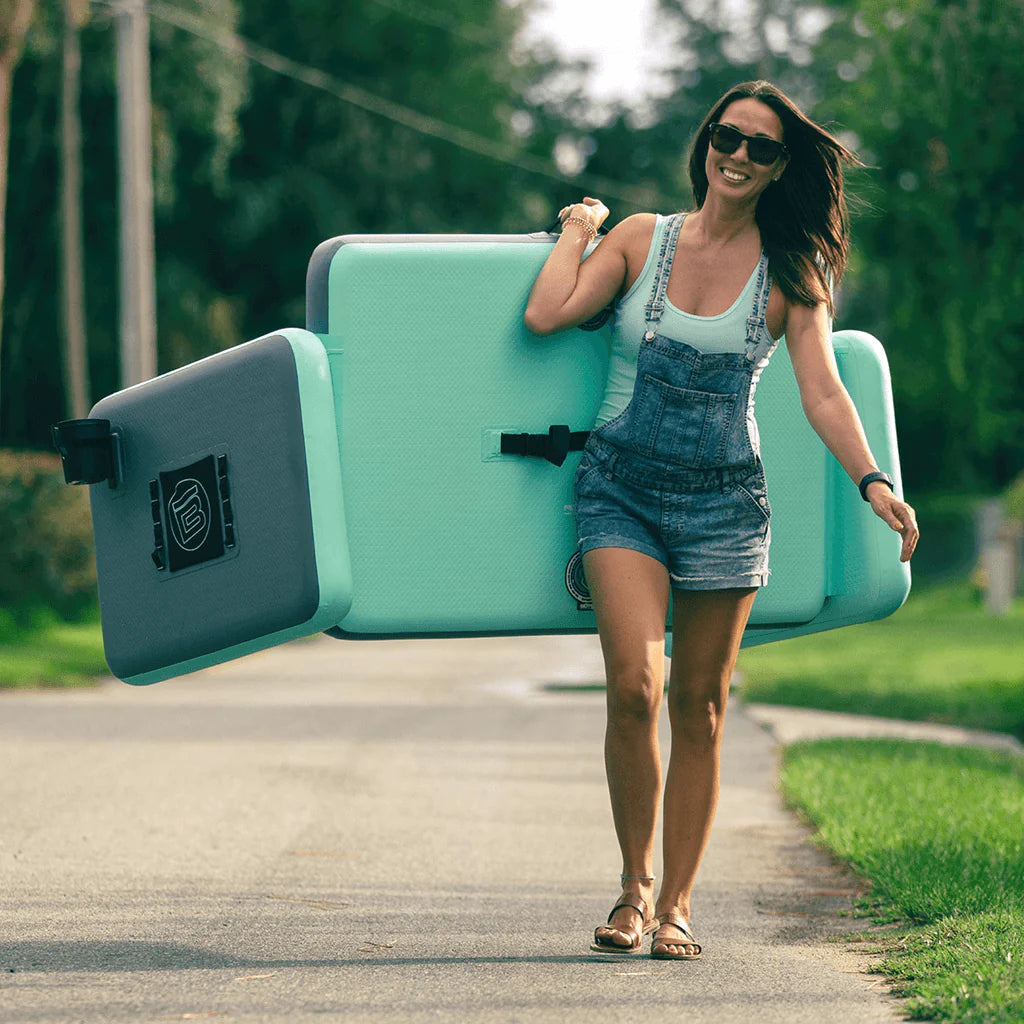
630, 591
707, 627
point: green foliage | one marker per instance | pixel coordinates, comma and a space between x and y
253, 167
941, 658
1013, 498
195, 116
931, 91
325, 167
195, 133
42, 650
929, 95
46, 548
936, 830
714, 46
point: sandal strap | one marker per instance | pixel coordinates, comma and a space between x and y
679, 922
640, 907
647, 925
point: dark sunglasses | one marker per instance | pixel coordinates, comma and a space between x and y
761, 150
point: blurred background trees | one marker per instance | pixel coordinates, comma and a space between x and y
277, 126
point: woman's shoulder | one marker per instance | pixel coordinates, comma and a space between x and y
638, 224
635, 232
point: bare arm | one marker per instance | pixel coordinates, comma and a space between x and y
830, 410
568, 291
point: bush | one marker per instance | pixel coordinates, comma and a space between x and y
46, 548
948, 550
1013, 498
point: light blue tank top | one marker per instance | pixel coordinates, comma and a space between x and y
725, 332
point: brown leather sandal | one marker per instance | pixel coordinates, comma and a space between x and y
648, 924
682, 925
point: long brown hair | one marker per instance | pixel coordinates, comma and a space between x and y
802, 217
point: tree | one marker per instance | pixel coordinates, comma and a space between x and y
272, 130
713, 47
929, 94
194, 134
313, 165
15, 18
932, 91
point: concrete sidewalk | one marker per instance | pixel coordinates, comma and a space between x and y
789, 724
384, 831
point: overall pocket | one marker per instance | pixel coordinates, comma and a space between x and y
680, 424
588, 465
754, 496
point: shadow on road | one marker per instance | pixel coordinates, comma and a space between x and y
98, 957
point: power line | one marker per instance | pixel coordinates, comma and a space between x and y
424, 124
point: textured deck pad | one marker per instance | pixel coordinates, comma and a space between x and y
222, 536
431, 362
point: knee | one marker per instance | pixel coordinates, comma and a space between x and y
634, 695
697, 716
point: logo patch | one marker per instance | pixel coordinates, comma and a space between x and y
189, 513
576, 583
192, 512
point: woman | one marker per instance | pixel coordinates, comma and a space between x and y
670, 494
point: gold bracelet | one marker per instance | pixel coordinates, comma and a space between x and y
583, 223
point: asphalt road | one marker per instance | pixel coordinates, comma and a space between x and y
383, 831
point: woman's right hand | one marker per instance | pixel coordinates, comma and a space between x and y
567, 291
591, 210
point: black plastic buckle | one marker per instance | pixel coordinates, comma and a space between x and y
89, 451
554, 446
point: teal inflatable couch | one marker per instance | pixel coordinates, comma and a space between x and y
403, 468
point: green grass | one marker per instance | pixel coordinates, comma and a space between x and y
41, 650
939, 832
940, 658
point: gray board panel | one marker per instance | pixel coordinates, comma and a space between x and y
243, 402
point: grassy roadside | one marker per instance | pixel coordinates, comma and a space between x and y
940, 658
45, 651
937, 831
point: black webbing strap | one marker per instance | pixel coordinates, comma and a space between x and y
554, 446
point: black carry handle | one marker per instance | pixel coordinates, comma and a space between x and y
554, 446
602, 316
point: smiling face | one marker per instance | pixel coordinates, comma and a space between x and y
734, 175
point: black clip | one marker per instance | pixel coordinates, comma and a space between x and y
554, 446
89, 451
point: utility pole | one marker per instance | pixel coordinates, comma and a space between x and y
135, 145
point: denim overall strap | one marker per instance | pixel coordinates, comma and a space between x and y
656, 301
757, 325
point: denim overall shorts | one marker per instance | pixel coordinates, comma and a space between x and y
677, 474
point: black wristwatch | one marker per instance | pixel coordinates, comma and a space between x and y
870, 478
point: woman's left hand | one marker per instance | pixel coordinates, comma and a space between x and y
898, 514
592, 210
